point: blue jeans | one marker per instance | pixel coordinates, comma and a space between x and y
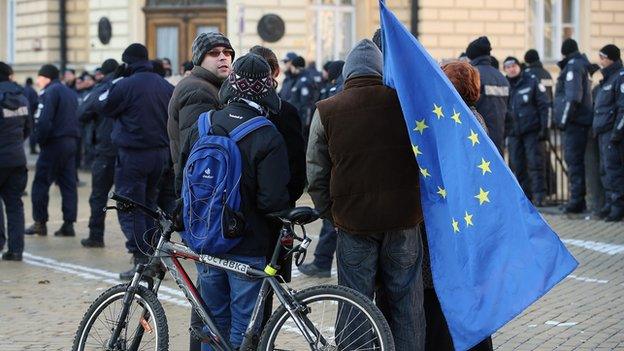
230, 297
324, 252
388, 267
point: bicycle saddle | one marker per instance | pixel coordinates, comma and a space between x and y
297, 215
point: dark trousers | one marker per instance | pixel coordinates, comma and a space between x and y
56, 164
137, 174
324, 252
12, 184
166, 190
388, 265
612, 170
102, 178
575, 142
526, 156
2, 227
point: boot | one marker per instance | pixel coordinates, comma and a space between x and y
129, 274
312, 270
575, 207
67, 229
616, 214
11, 256
38, 228
604, 211
88, 242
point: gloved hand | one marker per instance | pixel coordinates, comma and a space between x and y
543, 134
178, 222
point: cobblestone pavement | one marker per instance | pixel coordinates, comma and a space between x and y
43, 298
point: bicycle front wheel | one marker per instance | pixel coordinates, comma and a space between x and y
145, 327
335, 318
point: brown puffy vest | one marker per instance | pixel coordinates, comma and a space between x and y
374, 183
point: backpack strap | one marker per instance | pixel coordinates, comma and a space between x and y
242, 130
203, 123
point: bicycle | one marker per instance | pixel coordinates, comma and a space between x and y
129, 317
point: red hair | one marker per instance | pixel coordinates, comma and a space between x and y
466, 80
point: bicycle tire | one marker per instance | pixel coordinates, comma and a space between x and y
317, 293
117, 293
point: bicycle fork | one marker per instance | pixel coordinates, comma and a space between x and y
127, 302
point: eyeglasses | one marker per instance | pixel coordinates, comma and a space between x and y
217, 53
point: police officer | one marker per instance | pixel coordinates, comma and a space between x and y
14, 128
56, 131
535, 67
138, 106
335, 81
105, 154
289, 81
492, 104
33, 100
572, 113
609, 108
526, 126
302, 93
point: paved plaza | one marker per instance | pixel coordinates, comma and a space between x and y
43, 298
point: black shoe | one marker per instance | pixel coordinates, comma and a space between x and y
67, 229
616, 214
11, 256
312, 270
575, 207
88, 242
604, 211
38, 228
129, 274
538, 200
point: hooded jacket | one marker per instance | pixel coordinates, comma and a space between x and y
361, 169
14, 124
573, 100
193, 95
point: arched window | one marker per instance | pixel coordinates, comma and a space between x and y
550, 22
334, 28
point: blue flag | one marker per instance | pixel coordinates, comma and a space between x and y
492, 253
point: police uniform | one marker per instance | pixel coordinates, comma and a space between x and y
287, 86
609, 108
14, 128
527, 120
303, 99
57, 132
572, 112
543, 76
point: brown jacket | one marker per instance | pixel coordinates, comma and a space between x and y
360, 161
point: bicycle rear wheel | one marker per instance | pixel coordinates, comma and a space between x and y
145, 328
339, 318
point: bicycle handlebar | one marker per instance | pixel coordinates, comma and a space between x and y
131, 203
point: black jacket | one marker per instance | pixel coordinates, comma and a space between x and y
138, 105
528, 106
609, 102
287, 85
537, 69
56, 115
14, 124
492, 103
303, 96
573, 101
33, 99
87, 113
264, 178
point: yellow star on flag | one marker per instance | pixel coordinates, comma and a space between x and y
442, 192
474, 137
438, 111
455, 225
416, 150
424, 172
485, 166
482, 196
421, 126
468, 219
455, 117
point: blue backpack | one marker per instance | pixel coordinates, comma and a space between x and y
211, 188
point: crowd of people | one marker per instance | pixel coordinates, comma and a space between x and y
134, 125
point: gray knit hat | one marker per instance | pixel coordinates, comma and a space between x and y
206, 42
251, 79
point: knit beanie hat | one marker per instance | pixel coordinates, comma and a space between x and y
531, 56
569, 46
510, 60
5, 71
251, 79
49, 71
109, 66
134, 53
478, 47
206, 42
299, 62
611, 51
334, 70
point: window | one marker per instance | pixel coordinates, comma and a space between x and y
550, 22
334, 29
10, 31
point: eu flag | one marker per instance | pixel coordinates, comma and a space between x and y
492, 253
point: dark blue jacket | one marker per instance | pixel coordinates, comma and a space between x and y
56, 114
33, 98
609, 102
138, 105
537, 69
287, 85
528, 105
492, 103
14, 124
573, 101
88, 113
303, 96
